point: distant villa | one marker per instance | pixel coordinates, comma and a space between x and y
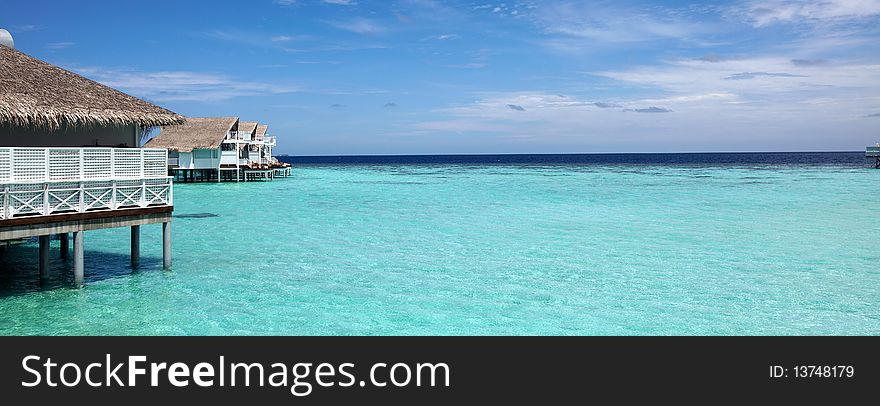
219, 149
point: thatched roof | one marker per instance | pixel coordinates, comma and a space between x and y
262, 130
247, 127
203, 133
34, 93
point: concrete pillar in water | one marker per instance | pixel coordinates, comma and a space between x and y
135, 246
166, 245
78, 258
44, 257
65, 245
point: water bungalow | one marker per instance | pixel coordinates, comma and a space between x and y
215, 149
874, 152
70, 160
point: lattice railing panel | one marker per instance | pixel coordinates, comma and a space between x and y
46, 181
155, 163
5, 165
64, 163
79, 197
29, 164
97, 163
127, 163
25, 199
24, 165
97, 195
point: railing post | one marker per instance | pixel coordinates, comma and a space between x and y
113, 195
46, 158
142, 163
82, 197
113, 165
46, 210
6, 201
82, 159
143, 202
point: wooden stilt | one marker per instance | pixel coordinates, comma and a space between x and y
44, 257
135, 246
78, 258
166, 245
65, 245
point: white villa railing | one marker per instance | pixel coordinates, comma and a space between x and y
47, 181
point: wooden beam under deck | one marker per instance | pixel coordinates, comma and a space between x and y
24, 227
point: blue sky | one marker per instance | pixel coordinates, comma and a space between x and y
423, 76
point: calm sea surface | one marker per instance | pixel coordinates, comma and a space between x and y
525, 244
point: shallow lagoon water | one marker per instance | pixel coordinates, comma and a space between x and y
468, 248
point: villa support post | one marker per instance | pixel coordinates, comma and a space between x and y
135, 246
166, 245
78, 258
65, 245
44, 257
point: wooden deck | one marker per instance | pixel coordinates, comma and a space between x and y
32, 226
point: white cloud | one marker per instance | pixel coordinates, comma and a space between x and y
767, 12
181, 85
27, 28
363, 26
60, 45
694, 109
341, 2
761, 76
576, 22
441, 37
471, 65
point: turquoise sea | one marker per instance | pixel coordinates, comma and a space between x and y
477, 249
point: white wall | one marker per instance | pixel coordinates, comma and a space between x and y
185, 161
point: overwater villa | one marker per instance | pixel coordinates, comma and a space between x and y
70, 160
216, 149
874, 152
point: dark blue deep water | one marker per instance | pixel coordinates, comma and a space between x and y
854, 159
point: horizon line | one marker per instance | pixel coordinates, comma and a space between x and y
569, 153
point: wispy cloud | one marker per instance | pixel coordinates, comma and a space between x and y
809, 62
765, 76
255, 39
581, 25
471, 65
652, 109
441, 37
752, 75
60, 45
767, 12
391, 104
340, 2
285, 3
603, 105
516, 107
181, 85
27, 28
360, 25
